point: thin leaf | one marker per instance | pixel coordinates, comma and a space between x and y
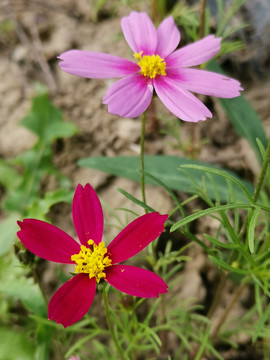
251, 229
136, 201
219, 243
208, 211
228, 267
261, 323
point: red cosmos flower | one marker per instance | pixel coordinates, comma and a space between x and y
92, 259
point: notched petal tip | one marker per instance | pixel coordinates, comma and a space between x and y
20, 223
195, 53
87, 214
135, 281
140, 33
47, 241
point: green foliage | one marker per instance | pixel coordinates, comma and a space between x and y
46, 121
15, 345
22, 176
8, 229
225, 15
15, 284
165, 169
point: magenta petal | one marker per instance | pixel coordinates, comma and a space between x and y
195, 53
135, 281
72, 300
96, 65
179, 101
136, 236
206, 82
168, 37
140, 33
129, 97
87, 214
47, 241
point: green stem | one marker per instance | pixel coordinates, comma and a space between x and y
108, 317
258, 187
202, 19
263, 173
142, 158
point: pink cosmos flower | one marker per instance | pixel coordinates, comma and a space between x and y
159, 68
92, 259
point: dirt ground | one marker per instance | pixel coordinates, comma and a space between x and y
43, 30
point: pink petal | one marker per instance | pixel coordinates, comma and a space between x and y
140, 33
179, 101
136, 236
72, 300
168, 37
195, 53
96, 65
47, 241
135, 281
206, 82
129, 97
87, 214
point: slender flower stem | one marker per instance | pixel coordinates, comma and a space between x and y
202, 19
107, 312
142, 158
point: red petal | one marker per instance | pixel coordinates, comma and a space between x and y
87, 214
135, 281
72, 300
136, 236
47, 241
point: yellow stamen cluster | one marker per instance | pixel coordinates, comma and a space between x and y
92, 260
151, 66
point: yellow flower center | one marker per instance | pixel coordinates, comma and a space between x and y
92, 260
151, 66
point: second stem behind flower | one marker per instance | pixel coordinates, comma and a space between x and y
142, 158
